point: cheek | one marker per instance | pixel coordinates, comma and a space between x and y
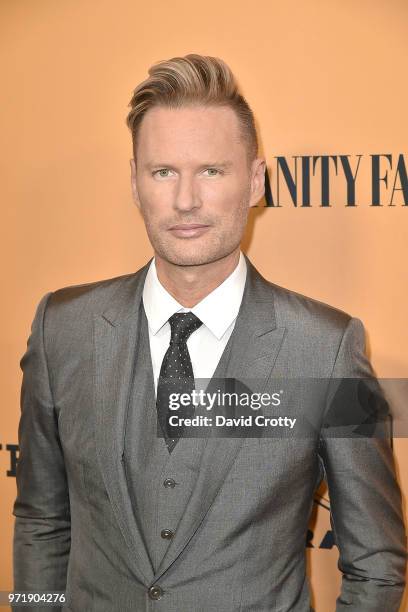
223, 197
155, 200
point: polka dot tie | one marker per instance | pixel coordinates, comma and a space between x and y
176, 375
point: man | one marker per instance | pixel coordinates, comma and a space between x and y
123, 519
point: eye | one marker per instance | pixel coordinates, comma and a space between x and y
162, 172
213, 171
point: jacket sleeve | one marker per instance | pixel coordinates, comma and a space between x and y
41, 542
365, 499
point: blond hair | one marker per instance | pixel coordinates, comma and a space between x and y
192, 80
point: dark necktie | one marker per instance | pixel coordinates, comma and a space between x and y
176, 375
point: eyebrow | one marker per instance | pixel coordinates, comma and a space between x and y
221, 164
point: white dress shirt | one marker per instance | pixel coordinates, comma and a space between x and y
218, 312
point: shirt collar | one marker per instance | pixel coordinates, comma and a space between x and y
217, 310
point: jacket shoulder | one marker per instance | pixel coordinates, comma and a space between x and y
294, 307
92, 295
68, 312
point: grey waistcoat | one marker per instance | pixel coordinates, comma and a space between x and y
147, 461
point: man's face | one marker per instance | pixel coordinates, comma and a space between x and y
193, 183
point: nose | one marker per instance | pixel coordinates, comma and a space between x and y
186, 195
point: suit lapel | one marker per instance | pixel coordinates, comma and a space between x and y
251, 353
115, 338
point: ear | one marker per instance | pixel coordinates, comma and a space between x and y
135, 193
258, 169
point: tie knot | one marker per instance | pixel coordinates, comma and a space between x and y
182, 326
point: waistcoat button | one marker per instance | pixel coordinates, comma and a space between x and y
155, 592
166, 534
169, 482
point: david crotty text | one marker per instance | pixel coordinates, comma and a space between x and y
222, 421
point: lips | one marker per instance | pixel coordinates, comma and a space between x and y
188, 230
184, 226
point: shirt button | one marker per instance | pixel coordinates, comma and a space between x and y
167, 534
169, 482
155, 592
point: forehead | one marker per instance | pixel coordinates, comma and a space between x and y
190, 131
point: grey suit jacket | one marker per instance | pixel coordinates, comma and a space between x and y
240, 545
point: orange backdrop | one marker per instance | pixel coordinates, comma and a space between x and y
322, 78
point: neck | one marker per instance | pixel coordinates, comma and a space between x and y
190, 284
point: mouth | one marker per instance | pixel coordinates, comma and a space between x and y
188, 230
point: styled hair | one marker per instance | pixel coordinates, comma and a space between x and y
192, 80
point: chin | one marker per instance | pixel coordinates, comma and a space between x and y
190, 257
197, 259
